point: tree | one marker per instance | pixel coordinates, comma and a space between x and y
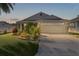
6, 7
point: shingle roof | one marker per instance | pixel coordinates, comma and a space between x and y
75, 19
42, 16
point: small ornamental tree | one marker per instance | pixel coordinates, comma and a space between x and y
33, 30
14, 31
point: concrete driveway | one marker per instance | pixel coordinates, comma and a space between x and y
58, 45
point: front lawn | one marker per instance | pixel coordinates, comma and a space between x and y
8, 39
10, 45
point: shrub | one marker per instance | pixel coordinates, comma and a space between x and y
73, 33
33, 30
14, 31
19, 49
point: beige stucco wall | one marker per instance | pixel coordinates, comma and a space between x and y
51, 26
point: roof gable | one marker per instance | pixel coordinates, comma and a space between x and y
42, 16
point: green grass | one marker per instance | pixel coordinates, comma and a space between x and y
12, 46
8, 39
19, 49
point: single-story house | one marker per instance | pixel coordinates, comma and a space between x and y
48, 23
74, 25
4, 26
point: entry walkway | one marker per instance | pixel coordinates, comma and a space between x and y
58, 45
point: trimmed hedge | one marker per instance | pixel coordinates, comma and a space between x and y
73, 33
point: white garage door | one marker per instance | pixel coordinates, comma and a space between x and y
53, 28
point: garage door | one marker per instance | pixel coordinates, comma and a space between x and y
53, 28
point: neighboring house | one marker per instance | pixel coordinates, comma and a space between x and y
48, 23
4, 26
74, 25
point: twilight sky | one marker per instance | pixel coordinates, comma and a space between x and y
24, 10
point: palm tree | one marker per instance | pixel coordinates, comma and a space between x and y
6, 7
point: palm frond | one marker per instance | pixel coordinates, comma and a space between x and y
6, 7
